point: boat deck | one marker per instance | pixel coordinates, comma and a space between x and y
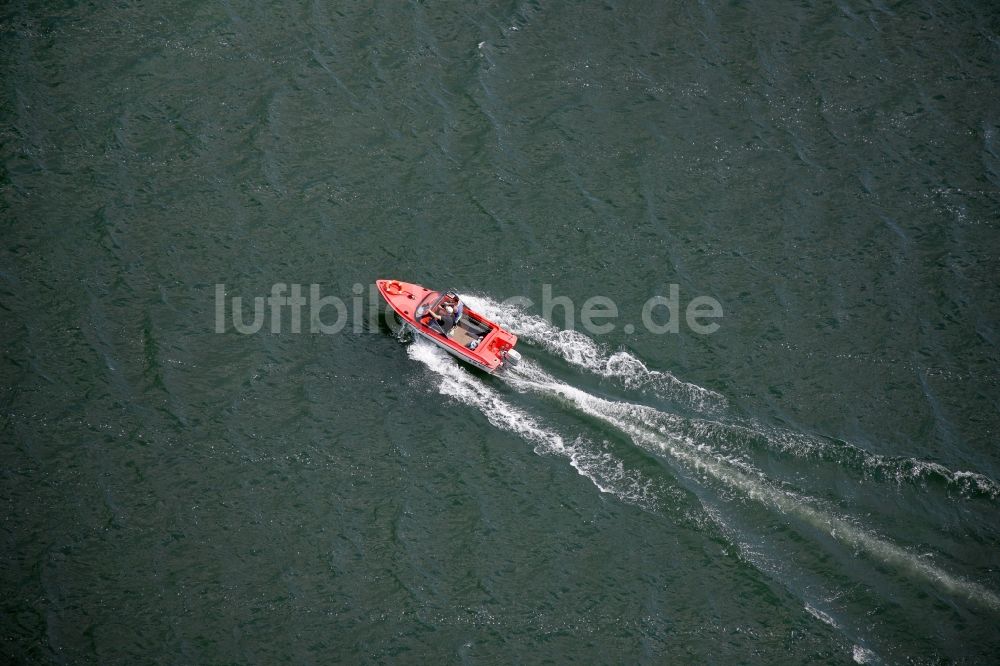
462, 336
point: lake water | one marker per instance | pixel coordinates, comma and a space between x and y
815, 481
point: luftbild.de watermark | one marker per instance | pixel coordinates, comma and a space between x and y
305, 309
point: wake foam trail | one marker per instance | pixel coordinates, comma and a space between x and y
743, 436
603, 469
641, 424
874, 466
582, 351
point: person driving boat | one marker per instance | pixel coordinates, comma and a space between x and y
448, 312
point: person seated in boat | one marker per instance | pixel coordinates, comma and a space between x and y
448, 313
445, 317
457, 307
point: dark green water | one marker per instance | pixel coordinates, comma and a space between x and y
814, 482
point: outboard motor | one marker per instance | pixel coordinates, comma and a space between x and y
512, 357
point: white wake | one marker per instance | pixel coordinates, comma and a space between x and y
602, 468
648, 429
582, 351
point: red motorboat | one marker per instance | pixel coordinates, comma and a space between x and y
442, 318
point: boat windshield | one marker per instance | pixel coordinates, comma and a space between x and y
437, 303
426, 304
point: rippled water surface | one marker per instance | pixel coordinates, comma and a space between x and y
817, 481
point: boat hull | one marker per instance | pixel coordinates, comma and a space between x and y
492, 348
